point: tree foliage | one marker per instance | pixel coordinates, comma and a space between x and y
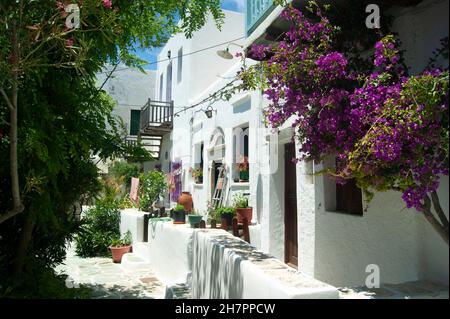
53, 119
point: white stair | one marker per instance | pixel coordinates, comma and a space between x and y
132, 262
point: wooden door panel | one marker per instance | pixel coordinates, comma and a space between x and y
290, 199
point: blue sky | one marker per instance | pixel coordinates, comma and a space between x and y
151, 55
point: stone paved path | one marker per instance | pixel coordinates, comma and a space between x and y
407, 290
109, 280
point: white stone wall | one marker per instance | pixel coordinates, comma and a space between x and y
200, 71
398, 240
336, 248
129, 88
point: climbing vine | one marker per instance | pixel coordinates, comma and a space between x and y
387, 129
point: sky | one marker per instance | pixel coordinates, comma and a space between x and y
150, 55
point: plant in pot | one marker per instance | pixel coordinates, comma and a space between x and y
120, 246
242, 209
179, 215
152, 186
194, 218
197, 174
243, 169
226, 213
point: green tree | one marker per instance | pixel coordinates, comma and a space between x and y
52, 117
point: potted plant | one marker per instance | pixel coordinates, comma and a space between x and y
242, 209
194, 218
179, 215
119, 247
227, 213
243, 168
197, 174
151, 187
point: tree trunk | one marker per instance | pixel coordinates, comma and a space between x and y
22, 246
13, 106
441, 229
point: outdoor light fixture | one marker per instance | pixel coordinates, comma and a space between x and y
225, 54
208, 112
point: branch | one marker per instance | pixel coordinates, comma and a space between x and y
433, 221
8, 101
4, 122
438, 209
109, 75
11, 213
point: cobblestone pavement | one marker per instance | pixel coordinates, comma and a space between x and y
407, 290
109, 280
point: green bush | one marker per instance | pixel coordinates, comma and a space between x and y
125, 170
101, 226
240, 201
151, 186
126, 240
224, 210
179, 208
41, 283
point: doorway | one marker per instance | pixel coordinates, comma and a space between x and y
290, 205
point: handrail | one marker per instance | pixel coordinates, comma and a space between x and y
156, 113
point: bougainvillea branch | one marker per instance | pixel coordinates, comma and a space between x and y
388, 130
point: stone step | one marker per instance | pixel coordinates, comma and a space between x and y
142, 250
132, 262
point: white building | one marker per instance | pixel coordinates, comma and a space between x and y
297, 218
130, 89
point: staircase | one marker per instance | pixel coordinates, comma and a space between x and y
156, 120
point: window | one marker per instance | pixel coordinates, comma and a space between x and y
169, 83
198, 161
135, 119
161, 81
349, 198
180, 66
240, 151
345, 198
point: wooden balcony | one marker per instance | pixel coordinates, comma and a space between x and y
150, 143
156, 118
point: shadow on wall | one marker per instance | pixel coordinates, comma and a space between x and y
217, 266
259, 198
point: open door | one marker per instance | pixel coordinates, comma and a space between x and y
290, 211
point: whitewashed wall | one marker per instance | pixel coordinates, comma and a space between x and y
200, 72
399, 240
130, 89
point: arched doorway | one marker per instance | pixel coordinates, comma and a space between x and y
216, 156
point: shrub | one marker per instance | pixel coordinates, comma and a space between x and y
126, 240
125, 170
101, 225
240, 201
179, 208
224, 210
151, 186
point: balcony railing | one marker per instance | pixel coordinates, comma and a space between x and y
156, 117
255, 12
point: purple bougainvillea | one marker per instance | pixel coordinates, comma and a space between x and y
388, 130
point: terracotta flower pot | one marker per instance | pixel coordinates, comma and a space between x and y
118, 252
186, 200
242, 213
228, 218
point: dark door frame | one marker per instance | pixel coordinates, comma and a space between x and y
290, 207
